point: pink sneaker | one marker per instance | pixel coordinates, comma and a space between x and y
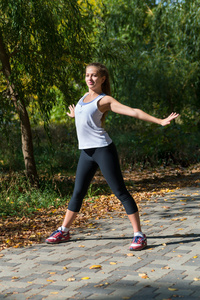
57, 237
138, 243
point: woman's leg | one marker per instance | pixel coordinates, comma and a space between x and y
135, 221
70, 216
107, 159
85, 171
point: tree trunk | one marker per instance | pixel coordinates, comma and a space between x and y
26, 134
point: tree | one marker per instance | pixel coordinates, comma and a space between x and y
152, 50
43, 45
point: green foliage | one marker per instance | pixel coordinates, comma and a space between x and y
152, 145
152, 52
19, 198
48, 46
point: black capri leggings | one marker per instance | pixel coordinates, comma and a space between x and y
106, 158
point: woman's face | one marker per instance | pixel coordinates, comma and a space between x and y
93, 78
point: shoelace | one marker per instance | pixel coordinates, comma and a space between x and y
56, 232
136, 238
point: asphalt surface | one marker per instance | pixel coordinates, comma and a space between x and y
169, 268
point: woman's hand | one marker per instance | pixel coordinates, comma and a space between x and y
71, 113
167, 120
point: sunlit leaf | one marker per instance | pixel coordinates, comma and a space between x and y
172, 289
96, 267
71, 279
196, 278
144, 275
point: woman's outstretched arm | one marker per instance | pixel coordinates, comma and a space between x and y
109, 103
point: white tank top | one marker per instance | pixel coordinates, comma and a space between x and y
89, 130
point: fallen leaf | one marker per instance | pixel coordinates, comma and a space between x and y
195, 256
130, 254
113, 263
50, 280
196, 279
54, 293
96, 267
81, 246
144, 275
71, 279
99, 285
172, 289
85, 278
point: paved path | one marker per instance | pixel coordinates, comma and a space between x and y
168, 269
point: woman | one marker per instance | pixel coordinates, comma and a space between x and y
98, 150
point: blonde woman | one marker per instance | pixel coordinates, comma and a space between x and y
98, 151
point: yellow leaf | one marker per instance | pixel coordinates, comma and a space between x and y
71, 279
196, 279
15, 277
130, 254
65, 268
144, 275
113, 263
99, 285
195, 256
95, 267
85, 278
54, 293
49, 280
172, 289
52, 273
81, 246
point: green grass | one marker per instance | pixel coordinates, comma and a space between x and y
19, 198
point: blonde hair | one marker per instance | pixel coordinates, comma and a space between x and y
103, 72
